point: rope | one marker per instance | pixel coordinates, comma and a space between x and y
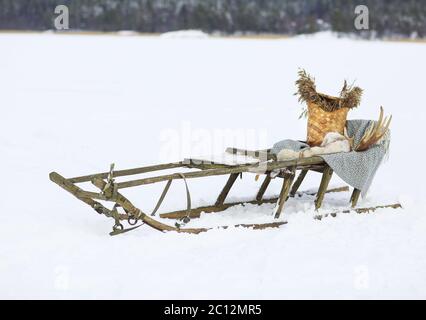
133, 220
188, 195
187, 218
163, 195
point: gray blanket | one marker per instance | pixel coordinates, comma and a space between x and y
355, 168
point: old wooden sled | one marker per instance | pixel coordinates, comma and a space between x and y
124, 211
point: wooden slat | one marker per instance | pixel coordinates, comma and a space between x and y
263, 188
195, 164
359, 210
127, 172
355, 197
313, 193
266, 167
93, 195
224, 193
258, 226
326, 177
298, 182
195, 212
288, 180
80, 194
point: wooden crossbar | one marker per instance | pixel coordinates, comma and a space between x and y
266, 167
127, 172
196, 212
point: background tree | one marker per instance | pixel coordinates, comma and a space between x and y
387, 17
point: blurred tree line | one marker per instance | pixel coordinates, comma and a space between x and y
387, 17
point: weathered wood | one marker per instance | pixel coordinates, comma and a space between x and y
93, 195
222, 196
298, 182
326, 177
372, 209
313, 193
266, 167
204, 164
355, 197
137, 213
127, 172
258, 226
262, 155
126, 204
288, 180
189, 175
253, 226
195, 212
317, 167
80, 194
71, 188
263, 188
358, 210
132, 210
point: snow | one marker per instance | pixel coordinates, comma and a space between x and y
185, 34
74, 104
127, 33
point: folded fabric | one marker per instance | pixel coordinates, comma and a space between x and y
355, 168
333, 142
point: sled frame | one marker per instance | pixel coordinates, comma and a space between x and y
109, 190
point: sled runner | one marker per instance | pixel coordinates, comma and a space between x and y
264, 164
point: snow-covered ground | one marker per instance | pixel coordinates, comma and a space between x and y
185, 34
75, 104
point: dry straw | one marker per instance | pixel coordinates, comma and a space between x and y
325, 113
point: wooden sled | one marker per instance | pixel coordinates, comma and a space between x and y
109, 190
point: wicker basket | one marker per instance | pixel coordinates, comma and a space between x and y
320, 122
325, 113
